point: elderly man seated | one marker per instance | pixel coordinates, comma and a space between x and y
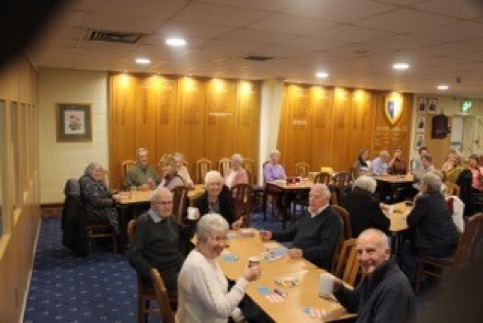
315, 234
160, 241
141, 175
384, 294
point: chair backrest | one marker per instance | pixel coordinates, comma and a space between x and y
468, 240
354, 173
343, 179
251, 168
452, 189
224, 166
180, 202
337, 249
167, 314
242, 201
202, 166
125, 167
302, 169
105, 177
346, 220
348, 267
323, 178
263, 172
131, 229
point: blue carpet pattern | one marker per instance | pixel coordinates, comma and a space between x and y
100, 288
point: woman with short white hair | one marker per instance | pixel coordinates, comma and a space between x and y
182, 169
364, 208
273, 170
237, 174
202, 287
217, 199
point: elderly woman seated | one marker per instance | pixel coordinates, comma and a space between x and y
99, 201
202, 287
273, 170
237, 174
182, 169
364, 208
217, 199
171, 178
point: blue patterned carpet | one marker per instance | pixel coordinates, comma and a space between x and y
100, 288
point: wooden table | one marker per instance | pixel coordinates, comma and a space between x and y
245, 247
388, 184
285, 191
398, 216
304, 295
142, 199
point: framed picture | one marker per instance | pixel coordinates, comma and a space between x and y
420, 124
422, 105
433, 105
74, 122
419, 141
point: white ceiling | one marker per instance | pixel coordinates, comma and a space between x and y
355, 41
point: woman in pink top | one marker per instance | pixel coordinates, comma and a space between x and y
476, 173
237, 174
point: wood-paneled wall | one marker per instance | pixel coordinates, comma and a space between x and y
202, 118
326, 126
19, 184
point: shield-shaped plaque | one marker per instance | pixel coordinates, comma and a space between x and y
393, 107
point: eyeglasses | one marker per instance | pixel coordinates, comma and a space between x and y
164, 202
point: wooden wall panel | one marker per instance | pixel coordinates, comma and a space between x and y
165, 94
343, 121
220, 120
191, 125
122, 124
321, 144
248, 119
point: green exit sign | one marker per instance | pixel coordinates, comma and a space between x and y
466, 106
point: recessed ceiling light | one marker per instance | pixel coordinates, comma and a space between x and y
401, 66
322, 75
443, 87
143, 61
175, 42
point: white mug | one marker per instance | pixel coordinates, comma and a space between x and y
326, 285
192, 213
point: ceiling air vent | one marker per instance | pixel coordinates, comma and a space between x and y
114, 36
258, 58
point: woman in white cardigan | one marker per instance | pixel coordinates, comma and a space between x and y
203, 294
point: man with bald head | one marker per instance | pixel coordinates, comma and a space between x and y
384, 293
160, 241
315, 235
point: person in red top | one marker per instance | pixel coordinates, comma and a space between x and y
397, 165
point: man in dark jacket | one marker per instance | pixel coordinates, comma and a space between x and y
384, 294
315, 235
432, 232
160, 241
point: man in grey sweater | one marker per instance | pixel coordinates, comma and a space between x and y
160, 241
316, 233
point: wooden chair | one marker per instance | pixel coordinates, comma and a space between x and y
167, 315
337, 250
348, 267
105, 177
224, 166
343, 179
146, 292
102, 230
346, 219
125, 167
202, 166
463, 255
180, 202
452, 189
275, 197
242, 202
302, 169
323, 178
354, 173
251, 168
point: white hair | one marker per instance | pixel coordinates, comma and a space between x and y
273, 152
212, 176
237, 157
160, 191
209, 224
433, 181
141, 150
179, 157
322, 188
382, 238
366, 183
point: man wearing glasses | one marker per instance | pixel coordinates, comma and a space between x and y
160, 241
